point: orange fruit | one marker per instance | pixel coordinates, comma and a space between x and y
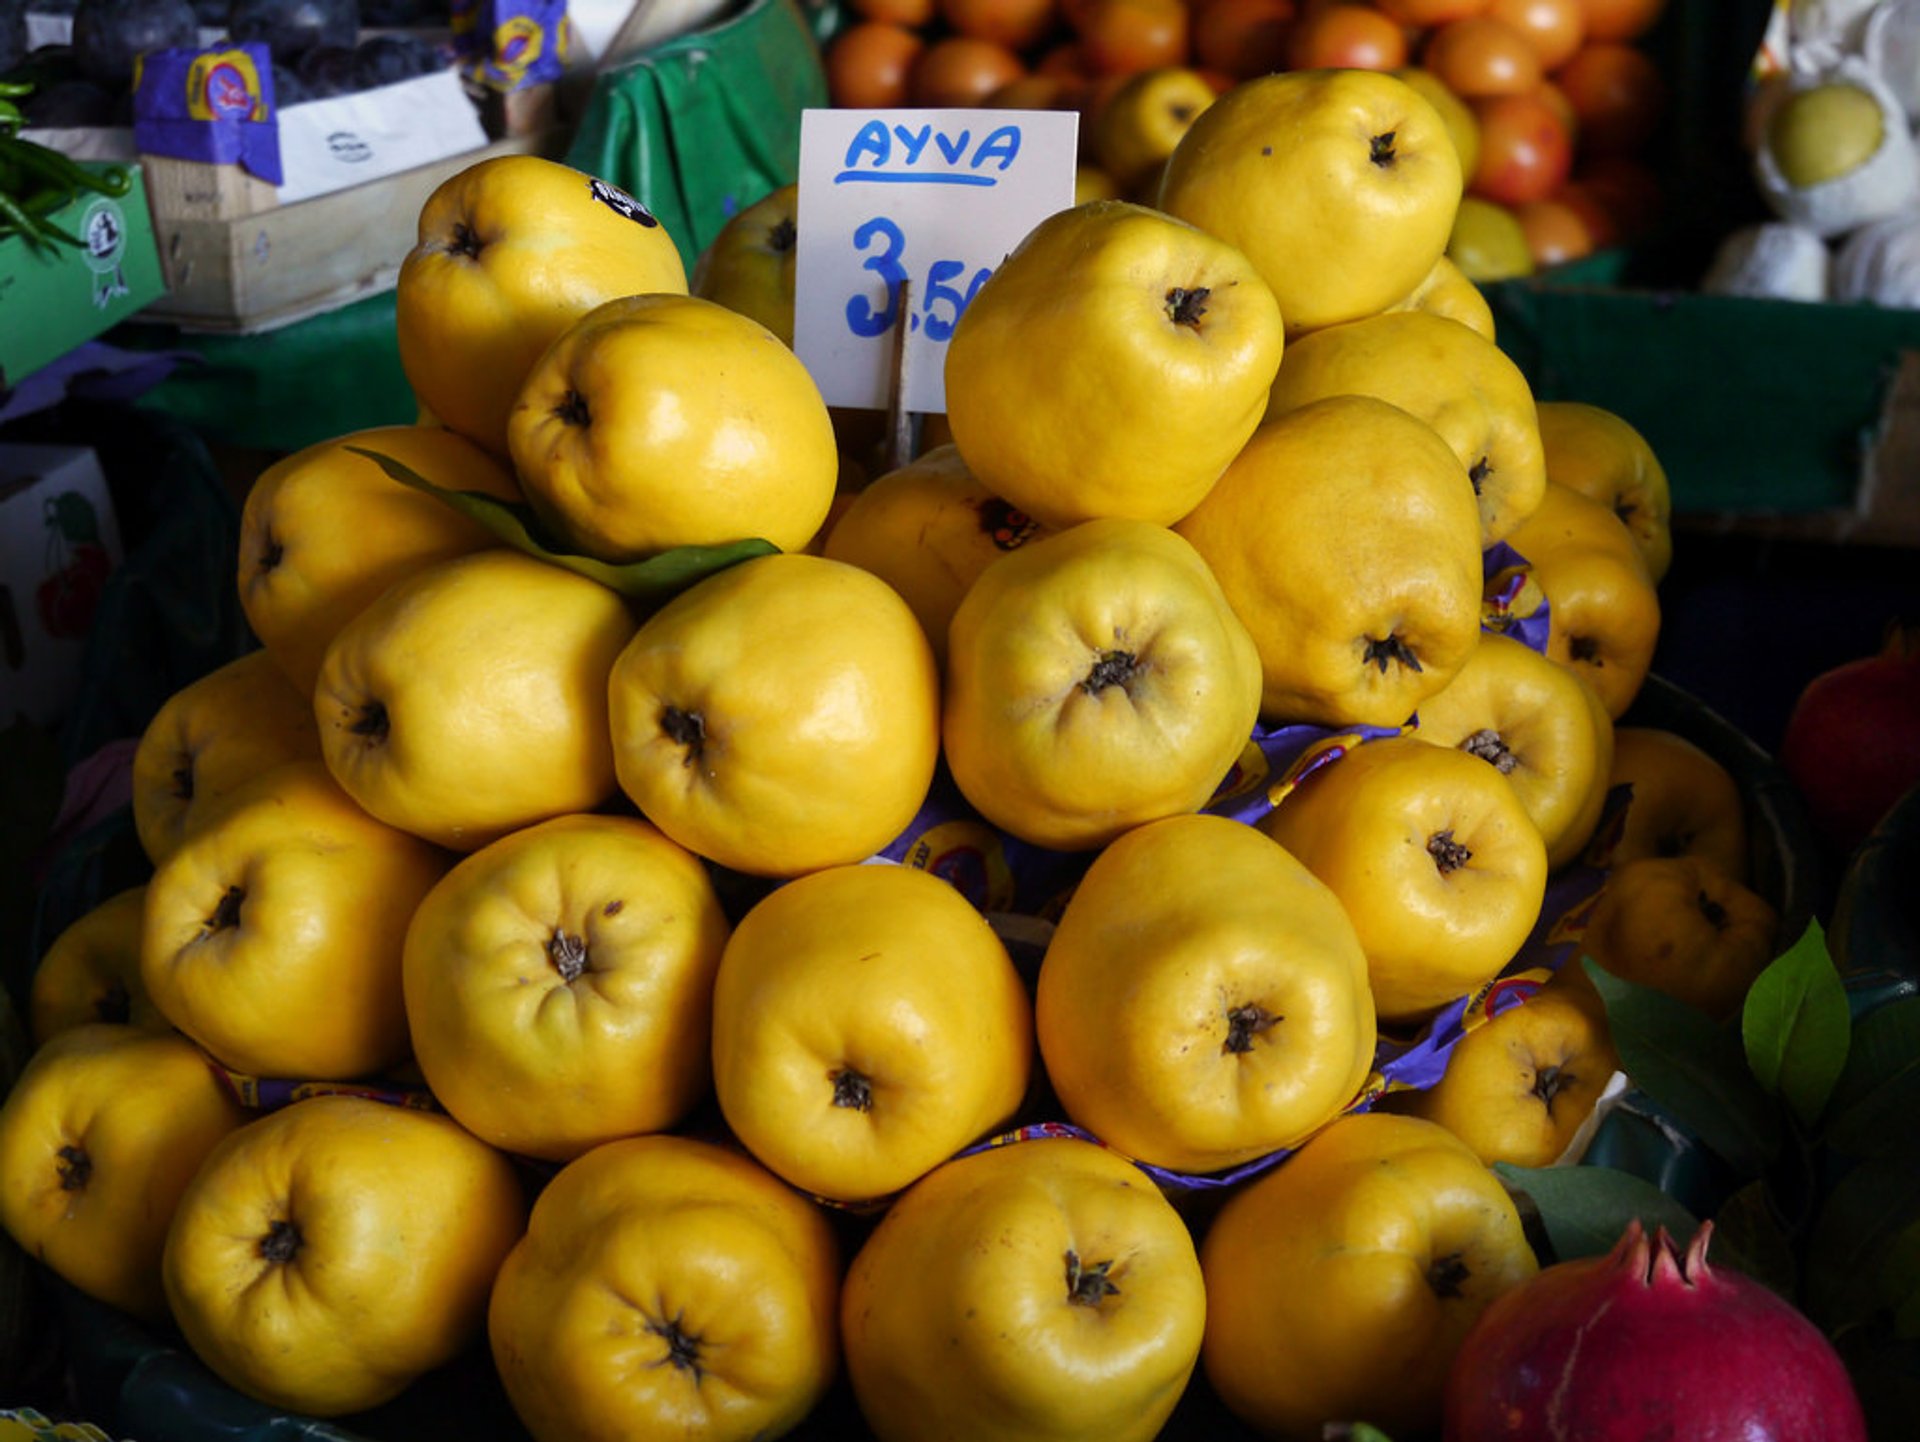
1062, 59
959, 70
1526, 149
1242, 38
1617, 92
1121, 37
1346, 37
1033, 91
1425, 14
1479, 57
1554, 96
1016, 24
868, 65
1554, 28
1556, 232
1621, 19
1592, 211
911, 13
1626, 188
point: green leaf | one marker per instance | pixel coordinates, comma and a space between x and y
1906, 1320
1900, 1284
1872, 1108
1585, 1209
1866, 1244
1749, 1237
1694, 1068
652, 582
1796, 1025
1353, 1432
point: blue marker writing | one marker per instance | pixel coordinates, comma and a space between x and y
871, 156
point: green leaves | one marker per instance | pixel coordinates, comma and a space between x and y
1864, 1254
1693, 1067
1871, 1111
652, 582
1796, 1026
1585, 1209
1836, 1232
1749, 1236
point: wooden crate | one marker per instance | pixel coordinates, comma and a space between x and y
236, 261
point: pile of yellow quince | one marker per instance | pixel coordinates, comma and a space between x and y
700, 927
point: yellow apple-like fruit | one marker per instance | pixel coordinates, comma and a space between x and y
1824, 132
1339, 185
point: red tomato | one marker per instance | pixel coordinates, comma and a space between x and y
959, 70
1626, 188
1621, 19
1425, 14
1554, 28
1481, 56
868, 64
1525, 150
1556, 232
1618, 93
1242, 38
1346, 37
1016, 24
1121, 37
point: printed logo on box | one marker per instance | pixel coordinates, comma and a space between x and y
348, 147
104, 229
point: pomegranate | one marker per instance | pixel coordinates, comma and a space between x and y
1647, 1345
1852, 741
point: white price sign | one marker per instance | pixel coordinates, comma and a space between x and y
923, 203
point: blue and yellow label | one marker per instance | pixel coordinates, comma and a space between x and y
970, 856
225, 85
212, 106
525, 42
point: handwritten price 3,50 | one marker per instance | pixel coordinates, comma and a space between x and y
887, 245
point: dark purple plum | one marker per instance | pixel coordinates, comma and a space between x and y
108, 34
326, 70
13, 33
288, 87
389, 59
290, 28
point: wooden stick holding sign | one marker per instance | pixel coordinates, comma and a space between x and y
899, 417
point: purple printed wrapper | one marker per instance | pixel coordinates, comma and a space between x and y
510, 44
1509, 605
272, 1093
1000, 873
213, 106
464, 23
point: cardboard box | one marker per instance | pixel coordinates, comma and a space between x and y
87, 142
272, 264
53, 297
59, 541
347, 140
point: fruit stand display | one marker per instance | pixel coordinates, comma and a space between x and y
1168, 898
